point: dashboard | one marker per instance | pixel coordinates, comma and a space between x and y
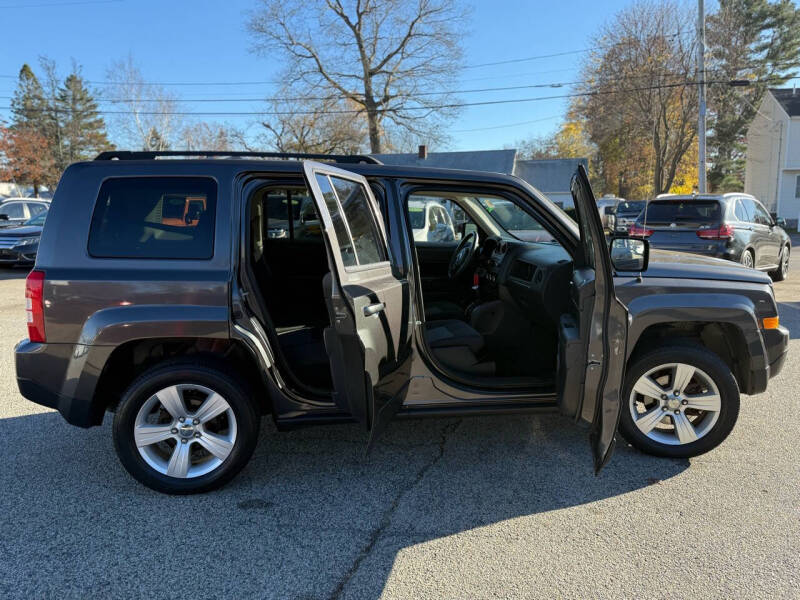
533, 275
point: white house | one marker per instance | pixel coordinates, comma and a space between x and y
772, 172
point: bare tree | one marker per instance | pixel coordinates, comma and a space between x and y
148, 121
640, 89
209, 136
325, 126
385, 57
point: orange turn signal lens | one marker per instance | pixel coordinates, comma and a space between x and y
771, 322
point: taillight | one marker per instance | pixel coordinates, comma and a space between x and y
638, 231
723, 232
34, 305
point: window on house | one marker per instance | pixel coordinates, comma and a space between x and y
797, 187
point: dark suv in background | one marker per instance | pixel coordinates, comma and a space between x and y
731, 226
161, 293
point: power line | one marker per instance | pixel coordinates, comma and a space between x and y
408, 108
506, 125
56, 4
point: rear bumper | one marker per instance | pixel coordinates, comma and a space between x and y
44, 372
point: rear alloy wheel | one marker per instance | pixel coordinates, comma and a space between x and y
183, 428
782, 272
747, 259
680, 401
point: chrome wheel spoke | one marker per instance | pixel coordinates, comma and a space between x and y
683, 376
213, 406
172, 401
179, 462
648, 421
145, 435
216, 444
710, 402
684, 428
647, 387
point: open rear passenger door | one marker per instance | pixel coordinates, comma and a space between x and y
592, 338
369, 338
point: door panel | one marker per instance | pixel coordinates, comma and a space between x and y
369, 307
592, 361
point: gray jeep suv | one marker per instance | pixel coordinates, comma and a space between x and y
162, 293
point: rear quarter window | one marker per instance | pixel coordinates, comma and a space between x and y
154, 217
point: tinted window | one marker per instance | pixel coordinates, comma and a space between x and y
682, 212
154, 217
742, 213
342, 236
630, 207
760, 214
14, 210
359, 215
34, 208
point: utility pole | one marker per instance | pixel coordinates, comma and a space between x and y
701, 92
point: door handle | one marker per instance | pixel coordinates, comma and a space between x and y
374, 309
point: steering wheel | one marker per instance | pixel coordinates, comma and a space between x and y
463, 255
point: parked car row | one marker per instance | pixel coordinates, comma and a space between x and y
734, 226
21, 224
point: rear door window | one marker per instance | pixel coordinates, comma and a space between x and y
154, 217
363, 230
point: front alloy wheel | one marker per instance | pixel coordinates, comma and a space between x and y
186, 426
674, 404
681, 400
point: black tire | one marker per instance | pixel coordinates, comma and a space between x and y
748, 255
782, 272
699, 357
203, 372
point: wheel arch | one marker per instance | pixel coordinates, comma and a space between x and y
128, 360
725, 324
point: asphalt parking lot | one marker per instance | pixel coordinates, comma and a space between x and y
499, 507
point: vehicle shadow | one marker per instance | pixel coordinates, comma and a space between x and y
7, 273
310, 516
789, 313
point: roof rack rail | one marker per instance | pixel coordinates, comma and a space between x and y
152, 155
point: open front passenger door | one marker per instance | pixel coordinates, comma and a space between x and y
593, 335
369, 339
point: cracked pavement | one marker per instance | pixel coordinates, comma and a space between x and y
485, 507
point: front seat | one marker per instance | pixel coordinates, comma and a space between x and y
457, 345
443, 310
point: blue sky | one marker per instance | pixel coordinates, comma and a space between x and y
178, 41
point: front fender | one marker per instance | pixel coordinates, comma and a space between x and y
732, 309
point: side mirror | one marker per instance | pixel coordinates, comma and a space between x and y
3, 217
630, 254
780, 222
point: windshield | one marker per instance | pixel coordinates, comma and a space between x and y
686, 212
37, 220
514, 220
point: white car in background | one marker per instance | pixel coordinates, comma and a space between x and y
430, 221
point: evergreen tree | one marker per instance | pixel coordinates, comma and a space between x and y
28, 106
754, 40
82, 129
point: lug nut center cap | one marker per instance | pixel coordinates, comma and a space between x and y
186, 430
674, 403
